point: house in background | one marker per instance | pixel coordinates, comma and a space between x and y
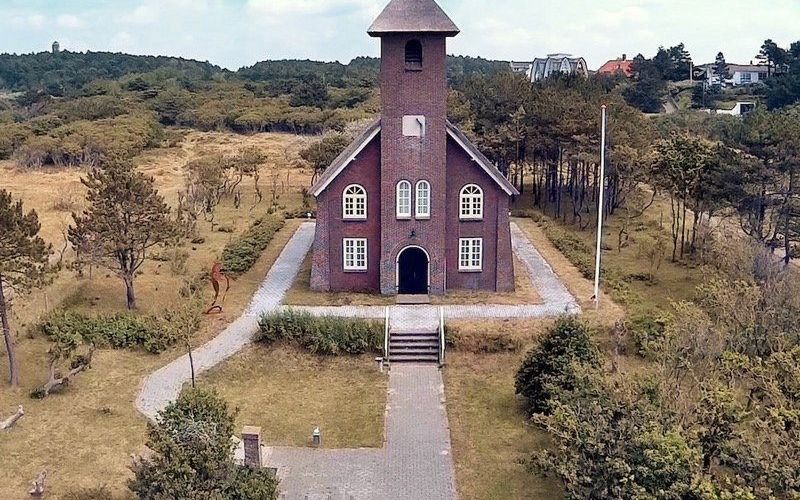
740, 74
411, 206
542, 68
615, 66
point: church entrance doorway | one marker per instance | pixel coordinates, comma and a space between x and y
413, 266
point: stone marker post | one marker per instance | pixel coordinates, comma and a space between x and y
251, 437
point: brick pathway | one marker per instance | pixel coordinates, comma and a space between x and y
414, 463
164, 385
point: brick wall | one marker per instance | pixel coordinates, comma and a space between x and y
498, 272
408, 92
328, 267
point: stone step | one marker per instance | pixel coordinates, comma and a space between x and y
413, 350
414, 338
414, 345
413, 358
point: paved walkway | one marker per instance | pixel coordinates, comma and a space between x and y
415, 461
165, 384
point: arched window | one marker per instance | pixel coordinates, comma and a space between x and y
423, 200
404, 199
413, 54
354, 202
471, 202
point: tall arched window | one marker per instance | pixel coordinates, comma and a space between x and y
354, 202
423, 200
403, 199
471, 202
413, 54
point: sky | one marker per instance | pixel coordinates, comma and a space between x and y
236, 33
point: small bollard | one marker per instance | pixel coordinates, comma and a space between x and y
379, 361
316, 438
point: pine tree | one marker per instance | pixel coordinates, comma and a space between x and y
24, 264
721, 68
126, 217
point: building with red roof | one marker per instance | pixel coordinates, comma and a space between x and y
614, 66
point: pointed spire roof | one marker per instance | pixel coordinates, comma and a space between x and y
413, 16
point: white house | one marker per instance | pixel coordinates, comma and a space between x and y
740, 74
543, 67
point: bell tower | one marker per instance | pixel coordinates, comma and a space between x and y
413, 85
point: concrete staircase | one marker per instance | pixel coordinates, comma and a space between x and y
414, 335
414, 347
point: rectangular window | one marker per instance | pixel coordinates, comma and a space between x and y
470, 254
745, 78
355, 254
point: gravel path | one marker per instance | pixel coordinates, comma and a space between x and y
165, 384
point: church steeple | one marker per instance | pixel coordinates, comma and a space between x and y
413, 16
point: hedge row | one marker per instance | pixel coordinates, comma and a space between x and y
241, 254
325, 335
154, 334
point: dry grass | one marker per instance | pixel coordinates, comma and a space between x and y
85, 436
288, 393
300, 294
488, 430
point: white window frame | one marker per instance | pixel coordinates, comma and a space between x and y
470, 205
423, 200
357, 209
403, 200
470, 255
351, 260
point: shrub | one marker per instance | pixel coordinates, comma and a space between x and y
648, 333
193, 454
154, 334
550, 367
325, 335
241, 254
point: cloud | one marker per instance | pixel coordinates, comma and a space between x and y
143, 14
35, 21
69, 21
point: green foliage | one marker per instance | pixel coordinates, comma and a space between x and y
154, 334
550, 367
240, 255
648, 333
326, 335
67, 72
193, 455
611, 443
322, 153
126, 217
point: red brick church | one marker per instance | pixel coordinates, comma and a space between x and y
412, 206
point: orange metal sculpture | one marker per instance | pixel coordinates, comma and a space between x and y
216, 279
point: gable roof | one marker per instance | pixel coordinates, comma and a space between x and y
346, 157
413, 16
617, 65
371, 132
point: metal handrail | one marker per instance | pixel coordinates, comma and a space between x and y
386, 335
441, 336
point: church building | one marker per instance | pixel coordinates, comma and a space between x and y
412, 206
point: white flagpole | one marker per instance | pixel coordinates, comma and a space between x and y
600, 205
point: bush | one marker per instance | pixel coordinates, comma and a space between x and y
241, 254
325, 335
550, 367
154, 334
648, 334
192, 454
